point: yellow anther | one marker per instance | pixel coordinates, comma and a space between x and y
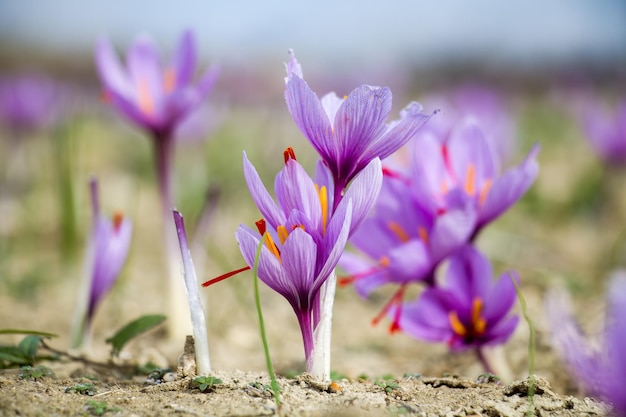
282, 233
398, 231
384, 261
323, 195
269, 242
479, 323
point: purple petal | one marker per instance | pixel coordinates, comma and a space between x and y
427, 318
354, 265
293, 67
207, 81
310, 117
361, 119
261, 197
144, 66
501, 298
111, 74
363, 192
450, 231
410, 262
331, 103
509, 188
467, 147
411, 120
501, 332
299, 255
468, 276
324, 178
336, 238
184, 61
295, 190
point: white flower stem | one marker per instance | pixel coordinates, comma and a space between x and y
198, 320
320, 367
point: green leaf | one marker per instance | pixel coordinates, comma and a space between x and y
133, 329
22, 331
13, 355
29, 346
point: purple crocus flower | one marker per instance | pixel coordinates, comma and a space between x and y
303, 238
349, 132
598, 367
464, 162
156, 97
607, 132
403, 242
106, 253
28, 102
468, 310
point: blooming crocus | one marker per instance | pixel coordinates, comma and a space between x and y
303, 238
468, 310
28, 102
464, 162
349, 132
598, 365
607, 131
106, 254
403, 242
158, 98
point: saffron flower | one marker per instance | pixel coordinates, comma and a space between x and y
303, 238
606, 131
28, 102
464, 162
403, 242
349, 132
151, 94
106, 254
468, 310
598, 365
158, 98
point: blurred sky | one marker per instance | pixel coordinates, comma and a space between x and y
345, 31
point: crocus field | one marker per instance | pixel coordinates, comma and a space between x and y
412, 224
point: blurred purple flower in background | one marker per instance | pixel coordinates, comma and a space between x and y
105, 256
349, 132
468, 310
28, 102
155, 96
606, 131
463, 161
486, 107
598, 367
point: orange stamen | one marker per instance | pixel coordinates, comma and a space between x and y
398, 231
282, 233
457, 327
478, 322
269, 242
323, 195
423, 234
146, 104
484, 191
289, 154
118, 217
470, 186
226, 275
169, 80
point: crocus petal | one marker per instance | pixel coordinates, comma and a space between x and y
615, 337
310, 117
207, 81
411, 120
501, 297
501, 332
409, 262
184, 61
110, 71
324, 178
468, 147
270, 270
293, 67
144, 66
299, 255
295, 190
361, 119
509, 188
363, 192
450, 231
337, 231
331, 103
261, 196
427, 317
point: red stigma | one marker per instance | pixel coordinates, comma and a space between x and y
289, 154
226, 275
261, 226
396, 300
105, 96
118, 217
390, 173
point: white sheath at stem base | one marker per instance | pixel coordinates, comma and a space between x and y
320, 366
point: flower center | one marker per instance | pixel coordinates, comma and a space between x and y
477, 325
146, 102
169, 80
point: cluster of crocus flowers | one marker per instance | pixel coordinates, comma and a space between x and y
105, 256
599, 366
606, 131
158, 97
437, 195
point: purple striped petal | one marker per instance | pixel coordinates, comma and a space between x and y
261, 196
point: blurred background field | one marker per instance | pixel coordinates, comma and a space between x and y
568, 229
